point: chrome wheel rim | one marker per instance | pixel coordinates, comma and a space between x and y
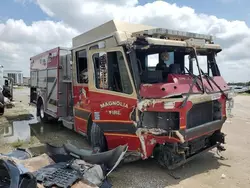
42, 112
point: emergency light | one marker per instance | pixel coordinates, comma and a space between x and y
174, 33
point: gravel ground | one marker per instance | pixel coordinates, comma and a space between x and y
206, 171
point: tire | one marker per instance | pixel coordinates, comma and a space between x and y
2, 101
45, 118
41, 113
98, 139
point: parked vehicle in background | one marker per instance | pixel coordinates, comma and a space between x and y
6, 90
1, 103
137, 85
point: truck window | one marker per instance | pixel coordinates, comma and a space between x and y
111, 72
153, 60
82, 67
207, 64
33, 78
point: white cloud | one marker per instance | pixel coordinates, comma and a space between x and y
18, 41
234, 36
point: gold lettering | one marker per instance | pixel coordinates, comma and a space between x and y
114, 112
113, 103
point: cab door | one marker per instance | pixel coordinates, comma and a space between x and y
80, 90
111, 91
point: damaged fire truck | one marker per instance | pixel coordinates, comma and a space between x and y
157, 90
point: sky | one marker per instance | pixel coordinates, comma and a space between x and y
28, 27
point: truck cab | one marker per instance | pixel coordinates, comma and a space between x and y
154, 89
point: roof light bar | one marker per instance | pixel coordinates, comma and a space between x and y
174, 33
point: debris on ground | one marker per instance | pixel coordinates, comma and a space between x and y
58, 166
223, 176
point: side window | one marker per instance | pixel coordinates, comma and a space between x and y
101, 70
111, 72
82, 67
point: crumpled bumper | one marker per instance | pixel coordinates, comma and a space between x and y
205, 129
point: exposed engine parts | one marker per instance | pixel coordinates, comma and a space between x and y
163, 120
174, 155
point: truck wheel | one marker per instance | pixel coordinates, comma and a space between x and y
2, 101
98, 139
41, 113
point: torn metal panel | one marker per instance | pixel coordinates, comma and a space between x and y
142, 134
142, 105
195, 99
142, 140
179, 135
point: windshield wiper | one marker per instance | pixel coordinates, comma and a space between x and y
190, 90
199, 69
194, 80
209, 78
194, 76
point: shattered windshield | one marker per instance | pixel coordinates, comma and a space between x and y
155, 64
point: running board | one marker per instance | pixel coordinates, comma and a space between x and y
51, 113
67, 123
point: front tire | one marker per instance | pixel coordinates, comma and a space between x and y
98, 140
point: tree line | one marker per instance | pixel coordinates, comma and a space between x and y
239, 83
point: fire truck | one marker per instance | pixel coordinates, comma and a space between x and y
159, 91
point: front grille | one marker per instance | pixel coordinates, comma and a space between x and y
163, 120
203, 113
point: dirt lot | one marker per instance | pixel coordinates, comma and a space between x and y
206, 171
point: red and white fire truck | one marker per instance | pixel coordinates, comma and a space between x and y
124, 83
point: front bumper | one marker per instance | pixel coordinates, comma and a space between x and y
205, 129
